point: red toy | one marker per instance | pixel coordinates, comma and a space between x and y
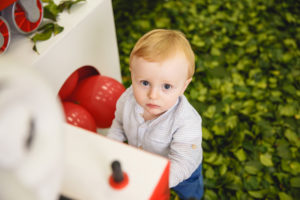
68, 86
79, 116
22, 16
99, 95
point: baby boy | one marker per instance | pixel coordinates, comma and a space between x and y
153, 114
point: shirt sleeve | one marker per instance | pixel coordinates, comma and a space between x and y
185, 151
116, 130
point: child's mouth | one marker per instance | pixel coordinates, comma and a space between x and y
149, 105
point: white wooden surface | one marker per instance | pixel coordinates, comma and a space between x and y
88, 167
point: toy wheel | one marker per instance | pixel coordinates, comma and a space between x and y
4, 35
22, 24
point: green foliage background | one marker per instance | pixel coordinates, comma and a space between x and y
246, 87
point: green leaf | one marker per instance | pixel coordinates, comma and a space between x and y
197, 41
266, 159
251, 49
209, 172
57, 29
287, 110
231, 122
290, 17
213, 8
206, 134
285, 166
210, 195
51, 10
210, 157
240, 154
251, 183
283, 149
289, 88
242, 64
295, 167
240, 43
284, 196
218, 72
219, 160
232, 181
215, 52
292, 137
209, 113
223, 169
257, 194
218, 130
289, 42
34, 48
238, 79
282, 177
162, 22
253, 167
42, 36
67, 4
46, 27
194, 93
295, 182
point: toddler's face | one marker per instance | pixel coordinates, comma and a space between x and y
157, 85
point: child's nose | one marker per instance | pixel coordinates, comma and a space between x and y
153, 93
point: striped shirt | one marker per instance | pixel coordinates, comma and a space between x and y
176, 134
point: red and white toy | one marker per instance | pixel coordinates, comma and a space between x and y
21, 16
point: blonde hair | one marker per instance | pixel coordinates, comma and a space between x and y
159, 44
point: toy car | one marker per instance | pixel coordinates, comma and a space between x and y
20, 16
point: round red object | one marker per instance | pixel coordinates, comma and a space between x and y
119, 185
5, 35
22, 23
68, 86
99, 95
79, 116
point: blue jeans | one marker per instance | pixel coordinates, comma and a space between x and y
192, 187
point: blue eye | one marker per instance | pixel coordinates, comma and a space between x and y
145, 83
167, 86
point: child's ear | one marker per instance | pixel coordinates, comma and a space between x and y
187, 82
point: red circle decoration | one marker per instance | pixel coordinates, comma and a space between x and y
4, 31
79, 116
22, 22
119, 185
68, 86
99, 95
